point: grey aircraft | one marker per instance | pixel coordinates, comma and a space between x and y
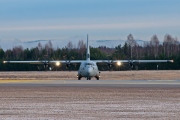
88, 68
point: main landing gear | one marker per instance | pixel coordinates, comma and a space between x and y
88, 78
79, 77
97, 78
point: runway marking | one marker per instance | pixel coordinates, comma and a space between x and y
163, 80
18, 81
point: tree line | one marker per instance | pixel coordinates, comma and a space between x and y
131, 50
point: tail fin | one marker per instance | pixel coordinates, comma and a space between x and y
88, 51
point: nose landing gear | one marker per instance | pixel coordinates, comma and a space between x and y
88, 78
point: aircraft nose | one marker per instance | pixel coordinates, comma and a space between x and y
89, 70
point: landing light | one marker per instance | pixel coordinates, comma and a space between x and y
119, 63
57, 63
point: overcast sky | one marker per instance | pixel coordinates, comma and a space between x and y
27, 20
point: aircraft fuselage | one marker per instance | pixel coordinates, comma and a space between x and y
88, 69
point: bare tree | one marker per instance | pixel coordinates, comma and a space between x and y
168, 45
176, 46
147, 50
81, 47
155, 44
40, 48
70, 45
17, 52
131, 42
8, 54
49, 48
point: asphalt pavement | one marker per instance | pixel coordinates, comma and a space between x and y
95, 83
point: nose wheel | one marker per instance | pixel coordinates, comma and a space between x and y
88, 78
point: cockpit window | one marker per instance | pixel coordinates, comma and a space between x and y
88, 63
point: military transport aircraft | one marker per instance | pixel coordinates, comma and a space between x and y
88, 68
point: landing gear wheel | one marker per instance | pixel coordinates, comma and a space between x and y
97, 78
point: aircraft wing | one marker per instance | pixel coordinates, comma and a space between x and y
30, 62
150, 61
134, 61
45, 61
131, 61
79, 61
65, 61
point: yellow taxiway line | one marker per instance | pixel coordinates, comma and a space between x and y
18, 81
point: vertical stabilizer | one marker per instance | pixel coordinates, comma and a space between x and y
87, 51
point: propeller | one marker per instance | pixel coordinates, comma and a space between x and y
110, 64
66, 57
46, 65
132, 65
68, 64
